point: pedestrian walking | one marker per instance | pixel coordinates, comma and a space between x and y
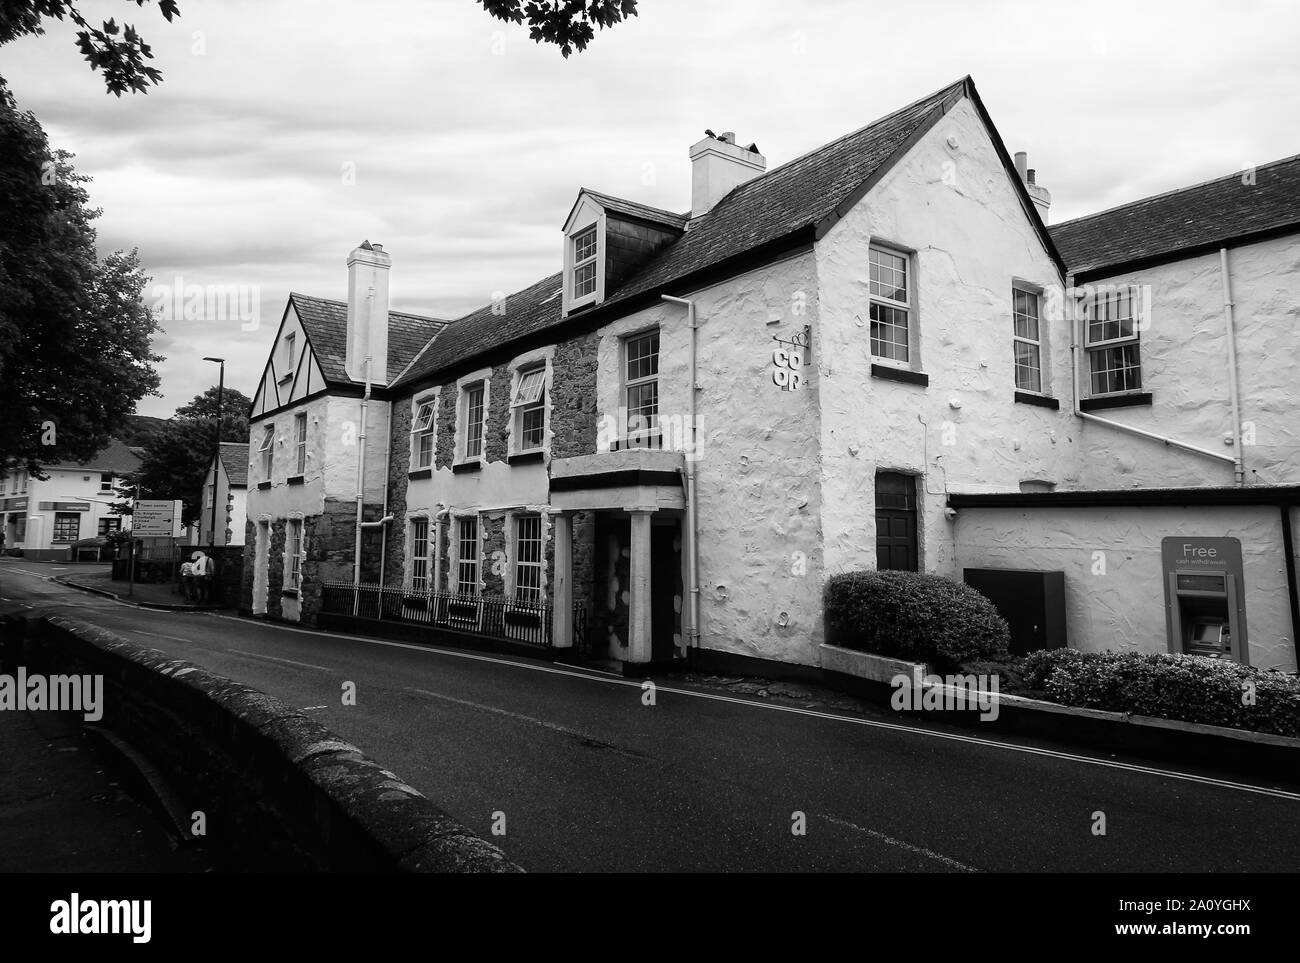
187, 580
201, 563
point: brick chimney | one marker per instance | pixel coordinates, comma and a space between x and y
1041, 197
368, 312
718, 165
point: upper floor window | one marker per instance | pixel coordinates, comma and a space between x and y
289, 349
267, 450
300, 436
1114, 359
528, 558
106, 482
420, 554
642, 389
422, 435
584, 262
474, 421
890, 305
1027, 341
530, 409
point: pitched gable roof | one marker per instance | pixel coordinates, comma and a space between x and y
326, 324
1184, 222
115, 457
802, 198
634, 209
234, 455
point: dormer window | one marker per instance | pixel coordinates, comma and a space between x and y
584, 263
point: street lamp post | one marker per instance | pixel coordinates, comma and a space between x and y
216, 447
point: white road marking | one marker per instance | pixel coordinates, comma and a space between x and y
155, 635
271, 658
910, 847
772, 707
518, 716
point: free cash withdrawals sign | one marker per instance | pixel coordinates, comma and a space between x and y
156, 519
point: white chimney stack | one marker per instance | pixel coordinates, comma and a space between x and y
368, 312
1041, 197
718, 165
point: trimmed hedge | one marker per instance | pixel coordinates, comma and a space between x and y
912, 615
1189, 688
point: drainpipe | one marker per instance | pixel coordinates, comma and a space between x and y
693, 559
1238, 464
385, 519
1075, 343
361, 494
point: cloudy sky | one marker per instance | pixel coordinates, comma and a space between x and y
286, 131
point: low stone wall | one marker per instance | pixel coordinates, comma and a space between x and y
279, 792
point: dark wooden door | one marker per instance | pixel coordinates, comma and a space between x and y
896, 545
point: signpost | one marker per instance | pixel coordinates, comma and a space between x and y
153, 519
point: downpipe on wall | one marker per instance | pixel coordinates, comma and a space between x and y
1075, 322
693, 572
385, 519
1239, 463
361, 492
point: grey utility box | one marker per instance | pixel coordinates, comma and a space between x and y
1032, 602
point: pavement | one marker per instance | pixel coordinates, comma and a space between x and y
156, 595
64, 808
572, 769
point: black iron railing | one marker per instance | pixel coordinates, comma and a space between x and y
492, 616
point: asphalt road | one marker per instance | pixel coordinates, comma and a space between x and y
588, 778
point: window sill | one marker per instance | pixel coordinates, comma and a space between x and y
904, 375
1132, 399
284, 378
263, 485
420, 474
466, 466
290, 594
1042, 401
294, 480
525, 457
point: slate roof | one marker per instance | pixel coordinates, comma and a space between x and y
326, 324
1192, 219
114, 457
634, 209
234, 455
809, 192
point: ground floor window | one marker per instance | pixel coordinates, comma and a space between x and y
420, 554
293, 554
528, 558
67, 527
107, 525
467, 556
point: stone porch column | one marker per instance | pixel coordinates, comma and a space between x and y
638, 619
562, 597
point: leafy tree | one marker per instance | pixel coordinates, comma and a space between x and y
75, 352
177, 460
118, 51
565, 23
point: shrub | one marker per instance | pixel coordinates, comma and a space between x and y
1185, 687
910, 615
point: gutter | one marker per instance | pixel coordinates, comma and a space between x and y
692, 517
1075, 342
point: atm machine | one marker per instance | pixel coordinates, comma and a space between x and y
1205, 602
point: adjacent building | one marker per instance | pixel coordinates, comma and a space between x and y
43, 519
875, 355
226, 483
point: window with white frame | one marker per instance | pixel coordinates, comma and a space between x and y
1026, 340
529, 406
467, 556
267, 450
290, 348
641, 373
22, 482
1114, 358
528, 558
107, 525
474, 420
420, 554
890, 305
300, 436
106, 482
584, 262
293, 554
422, 436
